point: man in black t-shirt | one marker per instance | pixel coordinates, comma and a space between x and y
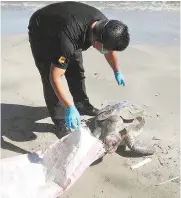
58, 33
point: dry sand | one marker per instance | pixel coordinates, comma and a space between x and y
152, 79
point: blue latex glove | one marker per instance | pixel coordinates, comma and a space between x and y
73, 118
119, 78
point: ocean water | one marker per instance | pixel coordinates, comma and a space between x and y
149, 22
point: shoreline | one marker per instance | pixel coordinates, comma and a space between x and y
151, 5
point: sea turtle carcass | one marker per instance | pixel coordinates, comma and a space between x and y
120, 124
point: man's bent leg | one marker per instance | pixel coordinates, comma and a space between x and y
76, 82
55, 107
76, 78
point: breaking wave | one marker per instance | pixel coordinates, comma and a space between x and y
102, 5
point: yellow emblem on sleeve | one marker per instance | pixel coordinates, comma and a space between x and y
62, 59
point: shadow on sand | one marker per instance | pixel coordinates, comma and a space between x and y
18, 122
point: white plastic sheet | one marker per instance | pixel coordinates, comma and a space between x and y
48, 173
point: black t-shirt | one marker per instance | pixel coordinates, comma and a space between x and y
61, 28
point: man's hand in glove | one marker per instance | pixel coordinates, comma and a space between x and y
119, 78
73, 118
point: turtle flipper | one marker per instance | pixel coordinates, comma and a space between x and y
139, 147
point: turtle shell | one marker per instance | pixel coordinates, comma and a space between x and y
113, 124
103, 115
109, 109
121, 117
129, 111
126, 110
136, 125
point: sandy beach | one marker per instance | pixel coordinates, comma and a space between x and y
153, 81
152, 76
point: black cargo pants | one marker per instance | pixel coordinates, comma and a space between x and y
75, 79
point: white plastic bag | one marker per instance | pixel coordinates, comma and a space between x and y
48, 173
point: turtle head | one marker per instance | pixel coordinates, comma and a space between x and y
110, 133
112, 142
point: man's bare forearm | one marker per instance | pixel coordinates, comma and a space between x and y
61, 92
112, 59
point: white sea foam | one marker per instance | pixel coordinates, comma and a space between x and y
125, 6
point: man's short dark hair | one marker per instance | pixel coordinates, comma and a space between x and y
115, 35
